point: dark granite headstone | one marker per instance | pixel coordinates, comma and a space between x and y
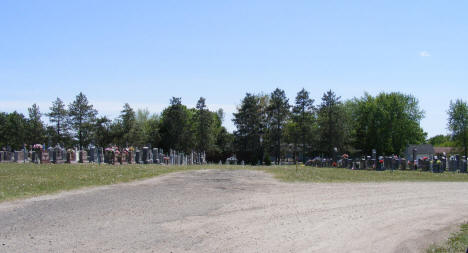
137, 157
155, 155
464, 165
91, 155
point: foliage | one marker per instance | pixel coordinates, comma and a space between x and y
102, 131
303, 126
388, 122
35, 127
331, 123
458, 123
13, 130
58, 116
277, 113
203, 123
82, 116
175, 127
250, 121
441, 141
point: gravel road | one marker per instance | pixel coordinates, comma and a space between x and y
235, 211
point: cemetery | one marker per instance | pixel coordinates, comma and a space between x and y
234, 126
39, 154
96, 155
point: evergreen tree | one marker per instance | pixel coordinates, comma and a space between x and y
250, 122
175, 127
277, 113
204, 134
82, 116
331, 123
130, 134
35, 127
58, 116
458, 123
303, 117
102, 132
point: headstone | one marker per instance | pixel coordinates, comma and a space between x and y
92, 151
15, 159
403, 163
464, 165
54, 155
137, 157
45, 157
155, 155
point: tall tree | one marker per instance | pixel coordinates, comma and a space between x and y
277, 113
388, 122
250, 122
82, 115
303, 117
128, 120
36, 131
175, 127
102, 132
331, 123
13, 130
204, 134
58, 116
458, 122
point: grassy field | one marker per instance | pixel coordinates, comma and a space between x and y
458, 242
312, 174
27, 180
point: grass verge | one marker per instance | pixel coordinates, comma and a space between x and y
457, 242
325, 175
27, 180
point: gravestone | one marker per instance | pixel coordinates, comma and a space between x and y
464, 165
45, 157
137, 156
403, 163
53, 155
155, 155
362, 164
69, 157
33, 156
15, 156
83, 156
92, 151
129, 157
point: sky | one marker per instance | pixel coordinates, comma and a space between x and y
145, 52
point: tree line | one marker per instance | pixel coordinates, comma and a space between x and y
267, 126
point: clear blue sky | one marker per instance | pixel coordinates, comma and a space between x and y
144, 52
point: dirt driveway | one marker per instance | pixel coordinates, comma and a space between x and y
235, 211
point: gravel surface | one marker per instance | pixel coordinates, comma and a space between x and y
235, 211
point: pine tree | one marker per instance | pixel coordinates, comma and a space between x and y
58, 116
277, 113
204, 123
35, 129
303, 116
82, 115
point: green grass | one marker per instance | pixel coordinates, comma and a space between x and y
312, 174
458, 242
27, 180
